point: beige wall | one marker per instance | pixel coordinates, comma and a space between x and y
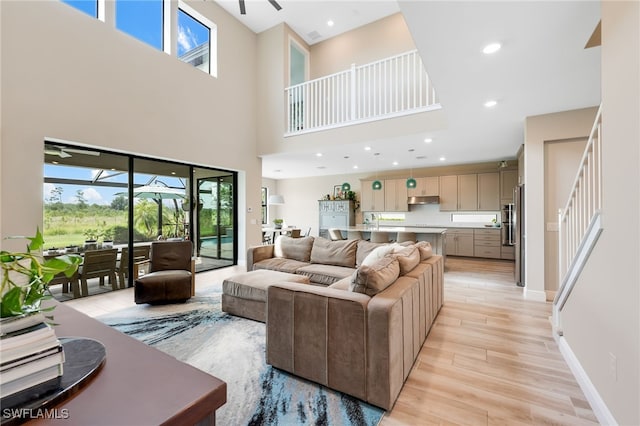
561, 161
386, 37
380, 39
97, 86
538, 130
602, 315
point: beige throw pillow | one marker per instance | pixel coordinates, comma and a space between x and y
377, 254
371, 280
425, 249
408, 258
294, 248
339, 253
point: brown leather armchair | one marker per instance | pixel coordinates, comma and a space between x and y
171, 276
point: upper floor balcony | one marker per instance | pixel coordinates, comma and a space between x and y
387, 88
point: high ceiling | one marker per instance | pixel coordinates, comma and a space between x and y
542, 68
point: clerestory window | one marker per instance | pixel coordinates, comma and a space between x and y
141, 19
196, 39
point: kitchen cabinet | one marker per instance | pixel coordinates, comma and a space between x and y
487, 243
448, 193
489, 191
508, 252
395, 195
459, 242
508, 181
371, 200
425, 186
468, 192
335, 214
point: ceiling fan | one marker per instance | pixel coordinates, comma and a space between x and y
64, 152
243, 10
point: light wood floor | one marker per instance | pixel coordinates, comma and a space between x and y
490, 358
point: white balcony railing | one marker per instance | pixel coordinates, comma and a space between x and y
580, 222
387, 88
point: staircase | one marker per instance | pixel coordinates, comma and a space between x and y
580, 222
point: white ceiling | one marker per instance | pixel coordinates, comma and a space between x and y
541, 68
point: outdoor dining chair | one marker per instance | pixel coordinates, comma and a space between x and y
98, 264
140, 253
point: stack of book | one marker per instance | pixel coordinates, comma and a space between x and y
31, 359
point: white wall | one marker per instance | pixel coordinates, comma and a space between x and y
602, 316
538, 130
97, 86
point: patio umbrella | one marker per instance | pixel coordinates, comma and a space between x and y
157, 193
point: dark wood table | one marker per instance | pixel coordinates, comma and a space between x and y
138, 385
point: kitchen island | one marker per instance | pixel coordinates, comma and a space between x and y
436, 236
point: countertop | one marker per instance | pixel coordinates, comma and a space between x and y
412, 228
419, 230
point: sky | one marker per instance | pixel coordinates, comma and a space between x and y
142, 19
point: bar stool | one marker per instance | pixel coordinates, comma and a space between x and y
406, 236
379, 237
354, 235
335, 234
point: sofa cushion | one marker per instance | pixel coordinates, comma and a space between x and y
425, 249
371, 280
279, 264
342, 284
408, 257
324, 274
294, 248
377, 254
339, 253
363, 250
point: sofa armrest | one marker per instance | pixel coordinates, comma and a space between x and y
319, 333
257, 253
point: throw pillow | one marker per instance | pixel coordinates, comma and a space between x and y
408, 258
339, 253
364, 248
377, 254
371, 280
425, 249
293, 248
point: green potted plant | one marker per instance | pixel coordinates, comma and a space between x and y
278, 223
25, 276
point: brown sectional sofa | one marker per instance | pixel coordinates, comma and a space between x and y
360, 344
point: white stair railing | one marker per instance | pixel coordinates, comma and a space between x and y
391, 87
580, 222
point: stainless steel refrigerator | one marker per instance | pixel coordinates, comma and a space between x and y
518, 201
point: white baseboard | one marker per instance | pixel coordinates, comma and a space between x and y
536, 295
598, 405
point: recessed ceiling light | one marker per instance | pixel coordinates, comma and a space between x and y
330, 23
490, 104
355, 167
173, 173
395, 163
367, 148
491, 48
428, 140
442, 158
318, 154
55, 162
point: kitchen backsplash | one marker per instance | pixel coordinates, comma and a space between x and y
429, 215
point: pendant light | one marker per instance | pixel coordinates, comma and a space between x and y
346, 187
376, 185
411, 182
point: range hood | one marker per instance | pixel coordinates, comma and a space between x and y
423, 199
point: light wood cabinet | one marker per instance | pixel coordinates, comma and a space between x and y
448, 193
508, 252
489, 191
486, 243
459, 242
335, 214
468, 192
425, 186
370, 200
508, 181
395, 195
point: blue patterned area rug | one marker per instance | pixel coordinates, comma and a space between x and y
233, 349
